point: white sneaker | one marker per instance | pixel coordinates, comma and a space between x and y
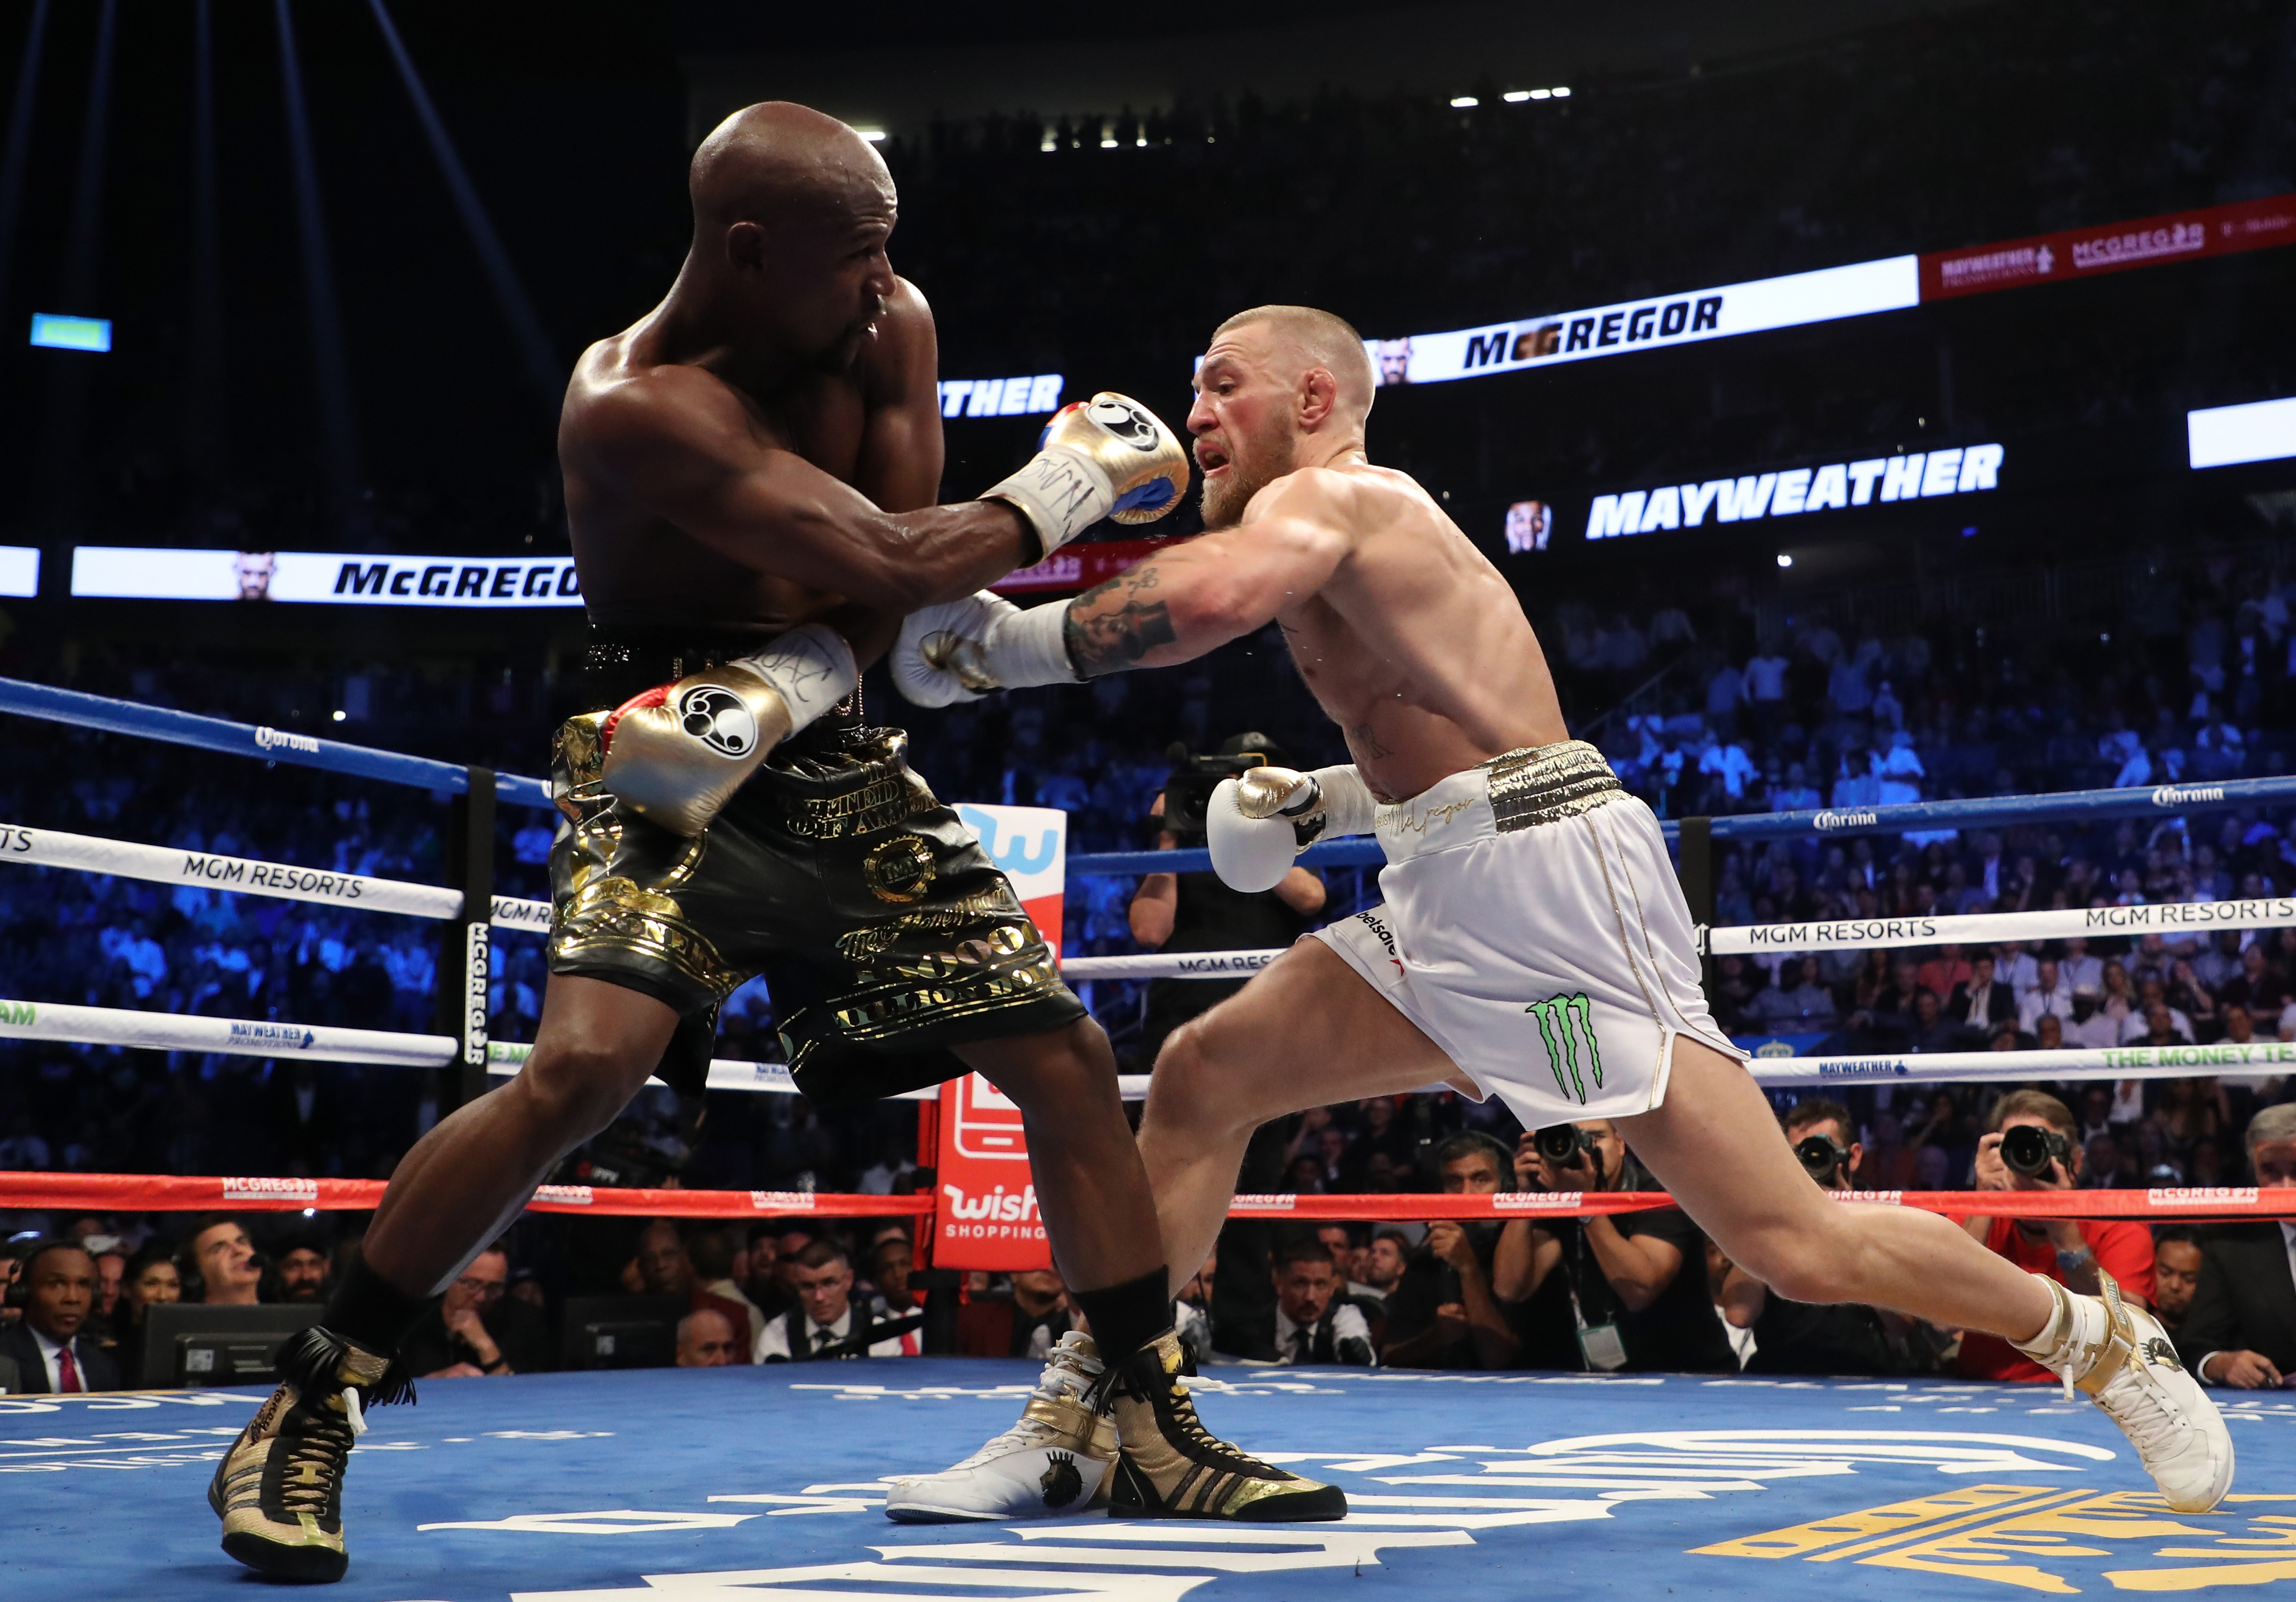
1054, 1463
2121, 1355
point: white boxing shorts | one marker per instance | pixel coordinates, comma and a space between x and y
1535, 930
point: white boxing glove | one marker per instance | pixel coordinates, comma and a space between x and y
961, 650
1257, 825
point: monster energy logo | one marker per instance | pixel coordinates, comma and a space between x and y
1567, 1028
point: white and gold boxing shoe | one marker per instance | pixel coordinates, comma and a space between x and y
2120, 1355
1054, 1463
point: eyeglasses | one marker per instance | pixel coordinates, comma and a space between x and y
486, 1290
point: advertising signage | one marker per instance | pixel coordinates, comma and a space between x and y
324, 578
1632, 326
1782, 493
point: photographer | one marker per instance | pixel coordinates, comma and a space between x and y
1444, 1313
1196, 913
1796, 1338
1637, 1283
2035, 1145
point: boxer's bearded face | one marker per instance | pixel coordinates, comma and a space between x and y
1242, 423
1238, 465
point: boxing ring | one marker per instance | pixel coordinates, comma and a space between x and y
767, 1484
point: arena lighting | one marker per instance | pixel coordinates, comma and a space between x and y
1785, 561
20, 570
1461, 102
1561, 92
1515, 97
874, 135
52, 331
2226, 435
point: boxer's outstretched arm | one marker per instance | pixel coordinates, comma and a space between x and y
678, 441
1196, 599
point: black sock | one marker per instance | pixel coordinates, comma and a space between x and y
371, 1311
1126, 1317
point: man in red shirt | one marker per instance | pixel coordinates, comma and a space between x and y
2062, 1249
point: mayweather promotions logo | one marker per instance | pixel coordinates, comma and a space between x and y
1127, 423
719, 719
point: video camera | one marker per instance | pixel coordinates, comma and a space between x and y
1188, 792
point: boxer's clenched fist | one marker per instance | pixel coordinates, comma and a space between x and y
1109, 456
1259, 824
675, 754
963, 650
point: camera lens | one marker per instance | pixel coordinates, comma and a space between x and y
2027, 1149
1559, 1143
1819, 1156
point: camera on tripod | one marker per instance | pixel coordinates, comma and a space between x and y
1188, 792
2029, 1148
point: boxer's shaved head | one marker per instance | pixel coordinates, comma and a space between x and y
1316, 339
1282, 387
791, 212
768, 162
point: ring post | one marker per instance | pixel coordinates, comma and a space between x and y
465, 946
1697, 874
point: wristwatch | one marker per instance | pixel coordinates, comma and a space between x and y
2073, 1262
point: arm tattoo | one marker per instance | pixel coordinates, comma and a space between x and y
1115, 641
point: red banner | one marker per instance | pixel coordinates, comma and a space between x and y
1079, 566
2113, 247
990, 1136
988, 1215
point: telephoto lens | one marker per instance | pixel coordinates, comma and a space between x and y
1821, 1156
2028, 1148
1560, 1143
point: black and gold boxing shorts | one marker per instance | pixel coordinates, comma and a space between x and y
885, 934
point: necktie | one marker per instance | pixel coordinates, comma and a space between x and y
67, 1371
1300, 1348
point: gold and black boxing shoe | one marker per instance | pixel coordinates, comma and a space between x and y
279, 1490
1171, 1466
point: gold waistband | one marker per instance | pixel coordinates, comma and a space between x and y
1544, 784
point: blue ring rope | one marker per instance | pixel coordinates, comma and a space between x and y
2165, 800
86, 711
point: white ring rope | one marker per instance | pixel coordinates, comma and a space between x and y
162, 864
174, 1031
1853, 934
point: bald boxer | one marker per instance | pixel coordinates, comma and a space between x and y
1533, 943
750, 474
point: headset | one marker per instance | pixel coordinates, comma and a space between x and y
20, 1289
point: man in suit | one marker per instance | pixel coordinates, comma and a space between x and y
1981, 1001
56, 1292
2243, 1326
1311, 1322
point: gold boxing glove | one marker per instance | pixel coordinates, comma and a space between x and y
1109, 456
675, 754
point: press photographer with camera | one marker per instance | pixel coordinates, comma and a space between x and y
1445, 1312
2034, 1144
1796, 1337
1637, 1283
1177, 912
1196, 912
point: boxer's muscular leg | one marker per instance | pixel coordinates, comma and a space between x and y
1090, 1187
1306, 1031
464, 1181
1714, 1144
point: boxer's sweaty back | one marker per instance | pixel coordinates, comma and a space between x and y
1415, 646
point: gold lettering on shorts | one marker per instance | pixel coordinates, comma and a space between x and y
899, 870
1403, 822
